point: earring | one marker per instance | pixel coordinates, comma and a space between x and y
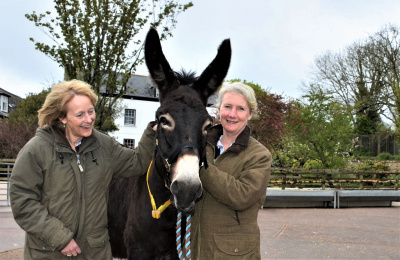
64, 125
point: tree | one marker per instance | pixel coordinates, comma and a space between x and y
92, 42
269, 123
26, 112
384, 48
325, 129
274, 114
362, 77
20, 126
396, 91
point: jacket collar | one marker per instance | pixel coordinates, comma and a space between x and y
58, 133
241, 142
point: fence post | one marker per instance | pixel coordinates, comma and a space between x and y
361, 181
283, 181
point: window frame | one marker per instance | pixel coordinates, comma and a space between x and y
129, 117
130, 143
4, 100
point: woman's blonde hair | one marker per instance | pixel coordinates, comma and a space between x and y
54, 106
238, 88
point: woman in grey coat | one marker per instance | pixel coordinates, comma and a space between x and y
60, 181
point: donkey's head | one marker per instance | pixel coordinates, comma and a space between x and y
183, 119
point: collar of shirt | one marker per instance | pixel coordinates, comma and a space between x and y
220, 146
77, 146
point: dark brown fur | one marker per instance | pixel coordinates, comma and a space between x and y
134, 234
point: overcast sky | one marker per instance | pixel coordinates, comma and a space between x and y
274, 42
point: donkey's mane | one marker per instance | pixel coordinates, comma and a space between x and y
186, 77
185, 93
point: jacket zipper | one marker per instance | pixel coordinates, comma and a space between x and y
78, 215
78, 161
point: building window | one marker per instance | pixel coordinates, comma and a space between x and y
130, 117
130, 143
4, 103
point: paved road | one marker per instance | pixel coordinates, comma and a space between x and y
296, 233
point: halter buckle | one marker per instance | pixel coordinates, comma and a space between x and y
167, 165
156, 214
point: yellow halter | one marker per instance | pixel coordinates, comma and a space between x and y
156, 213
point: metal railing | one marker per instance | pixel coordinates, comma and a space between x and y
5, 173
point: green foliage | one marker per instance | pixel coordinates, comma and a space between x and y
98, 42
381, 166
291, 154
396, 158
314, 164
369, 165
26, 111
325, 129
385, 157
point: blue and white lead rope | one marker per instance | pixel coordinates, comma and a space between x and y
187, 237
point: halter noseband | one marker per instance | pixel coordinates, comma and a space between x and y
171, 159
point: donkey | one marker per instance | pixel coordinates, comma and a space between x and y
182, 121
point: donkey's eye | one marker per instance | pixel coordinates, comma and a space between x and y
165, 122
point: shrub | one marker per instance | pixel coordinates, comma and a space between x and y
381, 166
13, 137
314, 164
369, 165
385, 156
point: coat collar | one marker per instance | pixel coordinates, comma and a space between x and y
241, 142
59, 137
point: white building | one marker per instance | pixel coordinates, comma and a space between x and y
139, 104
136, 115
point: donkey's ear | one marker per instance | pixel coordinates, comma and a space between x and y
213, 76
160, 71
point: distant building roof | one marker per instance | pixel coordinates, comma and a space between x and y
142, 88
13, 100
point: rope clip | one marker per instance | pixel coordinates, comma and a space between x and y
156, 214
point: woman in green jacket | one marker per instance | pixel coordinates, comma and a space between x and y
60, 181
235, 182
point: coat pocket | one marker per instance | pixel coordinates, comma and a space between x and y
99, 239
99, 246
37, 244
37, 249
235, 245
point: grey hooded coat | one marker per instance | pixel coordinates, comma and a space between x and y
58, 194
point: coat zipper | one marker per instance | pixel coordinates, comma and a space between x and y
78, 161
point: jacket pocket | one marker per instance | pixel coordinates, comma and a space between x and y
234, 245
99, 246
37, 244
37, 249
99, 239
